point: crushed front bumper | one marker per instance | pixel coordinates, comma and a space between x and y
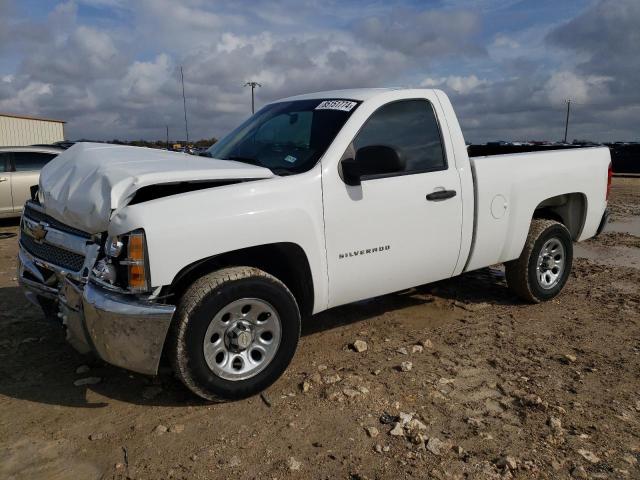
121, 329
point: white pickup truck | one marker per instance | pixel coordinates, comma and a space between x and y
315, 201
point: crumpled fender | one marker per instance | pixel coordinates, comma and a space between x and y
84, 185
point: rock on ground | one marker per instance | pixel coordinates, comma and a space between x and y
359, 346
160, 429
588, 455
406, 366
373, 432
435, 445
293, 464
507, 462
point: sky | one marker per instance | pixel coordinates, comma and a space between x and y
111, 68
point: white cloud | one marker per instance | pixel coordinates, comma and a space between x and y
118, 76
503, 41
27, 97
105, 3
458, 84
426, 33
581, 89
144, 80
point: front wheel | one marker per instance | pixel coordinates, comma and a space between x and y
544, 264
235, 332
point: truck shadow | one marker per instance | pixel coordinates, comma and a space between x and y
9, 224
36, 363
470, 291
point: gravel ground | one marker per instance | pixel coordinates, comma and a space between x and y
458, 380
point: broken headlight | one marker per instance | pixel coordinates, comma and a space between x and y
125, 264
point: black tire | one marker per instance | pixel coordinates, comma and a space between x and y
522, 274
198, 306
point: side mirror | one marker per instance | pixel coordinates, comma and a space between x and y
350, 172
370, 161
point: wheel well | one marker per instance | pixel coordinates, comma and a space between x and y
570, 209
285, 261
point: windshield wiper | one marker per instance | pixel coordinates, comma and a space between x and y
250, 160
253, 161
282, 172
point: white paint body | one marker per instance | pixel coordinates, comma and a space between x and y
485, 223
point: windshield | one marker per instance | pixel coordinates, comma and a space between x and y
286, 137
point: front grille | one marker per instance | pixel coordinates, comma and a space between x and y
39, 216
52, 254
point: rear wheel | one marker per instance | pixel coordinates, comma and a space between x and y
544, 264
236, 331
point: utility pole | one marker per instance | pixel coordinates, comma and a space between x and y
566, 123
167, 137
184, 104
253, 85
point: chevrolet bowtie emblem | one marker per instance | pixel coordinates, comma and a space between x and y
39, 231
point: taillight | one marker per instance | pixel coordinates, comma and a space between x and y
609, 175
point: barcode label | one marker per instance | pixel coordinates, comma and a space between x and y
343, 105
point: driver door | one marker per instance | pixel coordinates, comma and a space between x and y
390, 233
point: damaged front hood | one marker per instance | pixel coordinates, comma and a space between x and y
85, 184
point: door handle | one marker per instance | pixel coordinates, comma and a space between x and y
441, 195
3, 179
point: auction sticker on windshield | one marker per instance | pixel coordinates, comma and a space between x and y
344, 105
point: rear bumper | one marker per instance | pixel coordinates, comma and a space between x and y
121, 329
603, 222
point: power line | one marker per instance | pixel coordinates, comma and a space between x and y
253, 85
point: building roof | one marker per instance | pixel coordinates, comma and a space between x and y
27, 117
33, 148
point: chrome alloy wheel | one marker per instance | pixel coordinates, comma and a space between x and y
242, 339
551, 262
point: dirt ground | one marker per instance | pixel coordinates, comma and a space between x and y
496, 388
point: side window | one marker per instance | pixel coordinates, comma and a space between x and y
29, 161
411, 127
5, 162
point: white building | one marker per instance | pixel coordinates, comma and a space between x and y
20, 130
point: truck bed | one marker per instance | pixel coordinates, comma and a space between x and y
508, 190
